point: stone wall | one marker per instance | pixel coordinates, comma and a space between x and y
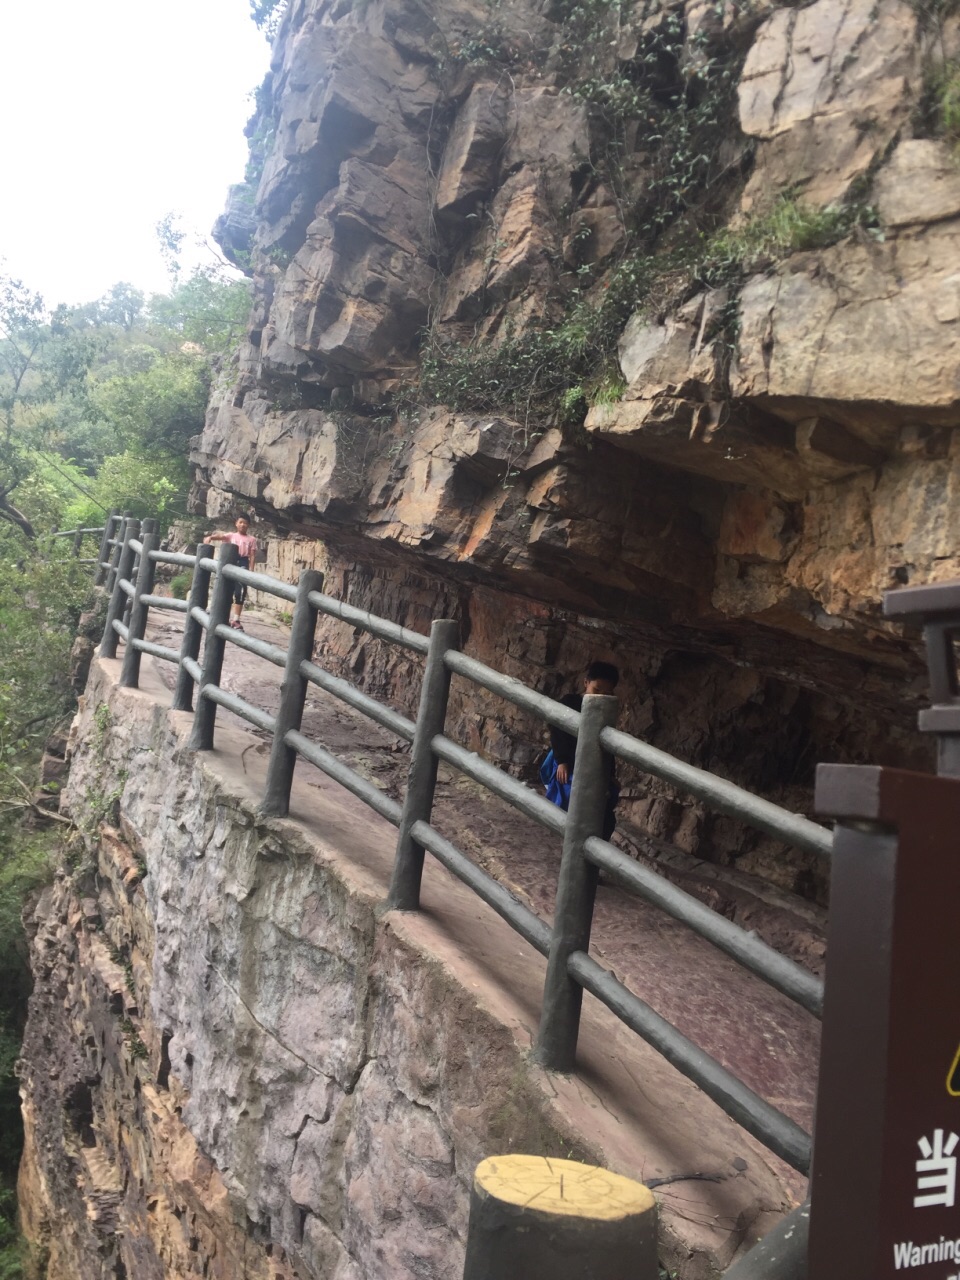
235, 1064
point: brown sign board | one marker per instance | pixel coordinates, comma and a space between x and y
885, 1187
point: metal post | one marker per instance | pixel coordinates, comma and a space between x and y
576, 886
109, 532
130, 673
533, 1218
192, 630
118, 598
77, 544
422, 780
205, 716
293, 693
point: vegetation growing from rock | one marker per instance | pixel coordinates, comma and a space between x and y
676, 94
557, 371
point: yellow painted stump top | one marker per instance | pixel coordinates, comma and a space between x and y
563, 1187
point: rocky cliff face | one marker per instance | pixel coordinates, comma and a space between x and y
631, 324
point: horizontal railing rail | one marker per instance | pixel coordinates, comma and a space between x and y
79, 536
722, 796
127, 565
787, 977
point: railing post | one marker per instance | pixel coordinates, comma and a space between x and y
109, 532
205, 716
293, 693
120, 535
192, 630
130, 672
118, 597
418, 804
77, 544
576, 886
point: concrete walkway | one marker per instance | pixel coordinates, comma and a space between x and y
648, 1120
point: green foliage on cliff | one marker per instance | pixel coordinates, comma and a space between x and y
268, 14
557, 371
657, 89
943, 104
530, 372
661, 96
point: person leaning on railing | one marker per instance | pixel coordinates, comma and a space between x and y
247, 559
602, 678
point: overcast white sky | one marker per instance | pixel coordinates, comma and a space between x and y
114, 113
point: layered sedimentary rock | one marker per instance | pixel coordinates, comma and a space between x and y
772, 448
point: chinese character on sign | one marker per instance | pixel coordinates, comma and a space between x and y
937, 1171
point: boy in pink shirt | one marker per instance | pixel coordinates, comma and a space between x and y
247, 546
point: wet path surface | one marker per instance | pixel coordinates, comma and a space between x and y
765, 1039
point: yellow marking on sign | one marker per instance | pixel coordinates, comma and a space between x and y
953, 1077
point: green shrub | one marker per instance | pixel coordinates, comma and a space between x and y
789, 227
944, 105
180, 586
555, 371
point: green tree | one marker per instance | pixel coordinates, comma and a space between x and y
155, 409
44, 360
268, 14
209, 309
122, 306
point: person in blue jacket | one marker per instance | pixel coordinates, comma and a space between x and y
601, 677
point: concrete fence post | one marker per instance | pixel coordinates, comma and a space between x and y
103, 558
576, 886
120, 535
533, 1218
418, 803
192, 630
293, 693
118, 597
130, 672
205, 716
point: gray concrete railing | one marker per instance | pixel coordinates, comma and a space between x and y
127, 565
78, 536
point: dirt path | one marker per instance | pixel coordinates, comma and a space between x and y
768, 1041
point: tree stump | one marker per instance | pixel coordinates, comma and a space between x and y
537, 1218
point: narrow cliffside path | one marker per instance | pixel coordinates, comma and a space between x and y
764, 1038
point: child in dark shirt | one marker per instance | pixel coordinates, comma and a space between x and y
601, 677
